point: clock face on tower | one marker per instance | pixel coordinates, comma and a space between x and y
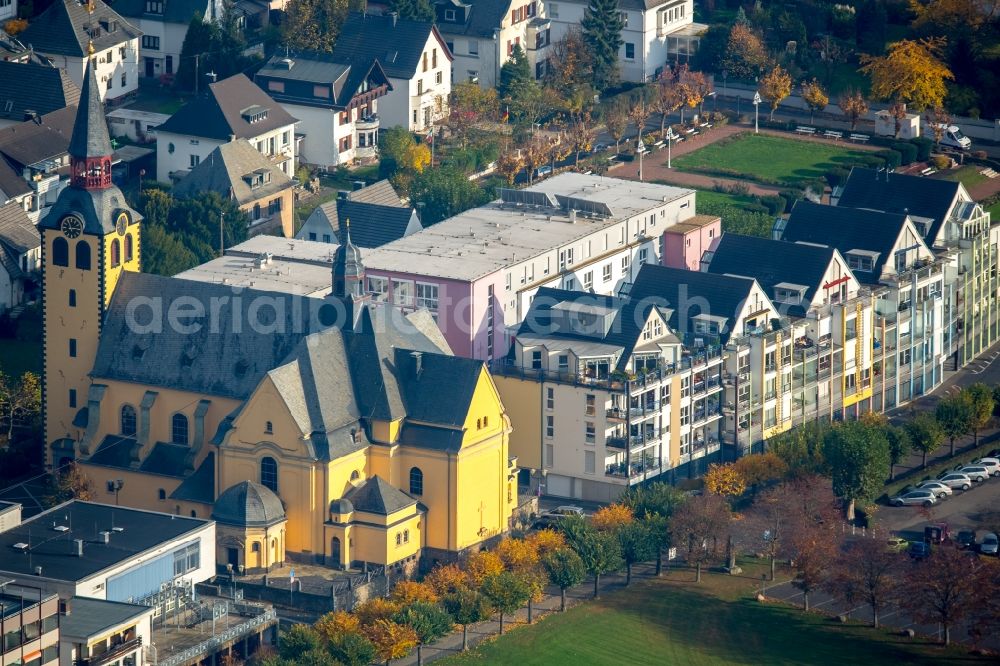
121, 223
71, 226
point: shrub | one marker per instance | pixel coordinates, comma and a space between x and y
941, 162
907, 152
871, 161
980, 154
924, 146
836, 176
892, 158
775, 204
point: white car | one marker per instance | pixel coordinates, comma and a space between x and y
915, 497
956, 480
936, 487
989, 544
992, 464
976, 472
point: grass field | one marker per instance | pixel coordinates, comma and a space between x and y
674, 621
967, 175
994, 211
767, 159
711, 197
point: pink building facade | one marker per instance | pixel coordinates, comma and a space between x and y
685, 243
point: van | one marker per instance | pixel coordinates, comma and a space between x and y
953, 137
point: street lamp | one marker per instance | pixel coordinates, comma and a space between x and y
756, 107
116, 486
715, 101
640, 148
670, 139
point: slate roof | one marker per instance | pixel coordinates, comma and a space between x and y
483, 18
217, 114
372, 225
846, 229
166, 459
90, 130
11, 48
142, 531
91, 617
378, 496
918, 196
34, 87
200, 486
248, 504
685, 292
174, 11
16, 229
223, 171
114, 451
62, 29
396, 45
771, 262
441, 392
30, 142
381, 193
12, 185
97, 208
324, 68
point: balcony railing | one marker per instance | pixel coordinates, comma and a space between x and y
367, 123
632, 470
116, 652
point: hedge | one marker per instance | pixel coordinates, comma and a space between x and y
924, 146
907, 152
892, 158
836, 176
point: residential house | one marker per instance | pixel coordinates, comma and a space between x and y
8, 9
12, 50
955, 228
813, 356
29, 620
336, 104
414, 56
164, 25
887, 252
258, 186
34, 161
686, 242
655, 32
375, 213
479, 270
280, 389
20, 255
482, 34
32, 89
98, 632
67, 33
231, 109
606, 395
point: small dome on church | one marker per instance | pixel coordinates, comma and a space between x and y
248, 504
347, 259
341, 506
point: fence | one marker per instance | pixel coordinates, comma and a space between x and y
213, 644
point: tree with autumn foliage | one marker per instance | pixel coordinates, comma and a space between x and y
947, 588
569, 70
767, 521
534, 152
20, 401
667, 97
938, 120
67, 484
745, 55
982, 406
334, 623
580, 137
775, 87
391, 640
375, 609
759, 469
446, 578
469, 105
814, 96
506, 592
911, 72
407, 592
616, 122
867, 572
546, 541
724, 479
509, 164
612, 517
697, 526
483, 564
853, 105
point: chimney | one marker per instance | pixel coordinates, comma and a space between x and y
38, 571
359, 185
104, 536
394, 16
342, 195
78, 547
572, 216
418, 362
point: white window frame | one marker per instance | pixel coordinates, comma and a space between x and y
402, 293
425, 299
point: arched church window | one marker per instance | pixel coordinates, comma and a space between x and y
416, 481
116, 253
179, 429
83, 255
269, 473
129, 249
60, 252
128, 420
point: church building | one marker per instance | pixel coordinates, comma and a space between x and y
318, 430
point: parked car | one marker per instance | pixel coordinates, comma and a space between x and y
543, 171
976, 472
897, 544
937, 533
990, 544
560, 513
936, 487
966, 539
995, 453
915, 497
992, 464
601, 147
956, 480
920, 550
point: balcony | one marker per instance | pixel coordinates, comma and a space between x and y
616, 443
113, 654
367, 123
633, 470
616, 415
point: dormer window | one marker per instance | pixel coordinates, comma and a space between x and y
449, 15
154, 6
861, 260
257, 178
786, 292
254, 114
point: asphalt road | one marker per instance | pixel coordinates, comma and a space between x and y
963, 510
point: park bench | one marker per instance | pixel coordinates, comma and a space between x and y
863, 138
805, 130
929, 171
833, 135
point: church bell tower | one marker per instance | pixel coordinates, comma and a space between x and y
90, 238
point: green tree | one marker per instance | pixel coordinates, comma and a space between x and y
565, 569
430, 621
602, 26
600, 551
20, 401
506, 592
414, 10
445, 192
638, 543
858, 457
654, 504
163, 253
801, 448
982, 404
515, 75
925, 434
900, 445
211, 46
467, 606
954, 413
313, 25
297, 641
352, 648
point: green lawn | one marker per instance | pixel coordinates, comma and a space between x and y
710, 197
994, 211
674, 621
968, 175
767, 159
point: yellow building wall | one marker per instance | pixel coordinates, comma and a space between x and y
341, 471
112, 275
286, 217
523, 401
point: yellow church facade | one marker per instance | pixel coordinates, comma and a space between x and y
324, 431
